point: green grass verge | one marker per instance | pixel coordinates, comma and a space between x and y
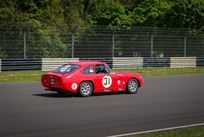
20, 76
187, 132
166, 71
30, 76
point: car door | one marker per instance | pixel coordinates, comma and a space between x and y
104, 80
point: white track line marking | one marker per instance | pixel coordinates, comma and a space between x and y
157, 130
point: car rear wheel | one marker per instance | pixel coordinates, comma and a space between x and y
85, 89
132, 86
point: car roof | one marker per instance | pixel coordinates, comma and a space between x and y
85, 63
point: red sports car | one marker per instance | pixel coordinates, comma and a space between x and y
86, 78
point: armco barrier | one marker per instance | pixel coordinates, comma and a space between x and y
52, 63
108, 60
183, 62
0, 65
127, 62
47, 64
172, 62
156, 62
21, 64
200, 61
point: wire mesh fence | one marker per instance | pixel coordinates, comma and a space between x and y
100, 42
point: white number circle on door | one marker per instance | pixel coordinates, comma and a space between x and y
107, 81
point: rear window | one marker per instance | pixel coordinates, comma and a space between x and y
66, 68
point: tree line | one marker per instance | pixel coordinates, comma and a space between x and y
51, 18
79, 13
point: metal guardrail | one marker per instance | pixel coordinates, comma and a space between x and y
21, 64
200, 62
148, 62
127, 62
156, 62
0, 65
177, 62
47, 64
52, 63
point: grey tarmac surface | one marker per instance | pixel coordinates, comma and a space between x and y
27, 110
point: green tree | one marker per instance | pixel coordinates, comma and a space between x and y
150, 12
186, 14
113, 14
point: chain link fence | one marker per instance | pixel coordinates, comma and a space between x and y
100, 42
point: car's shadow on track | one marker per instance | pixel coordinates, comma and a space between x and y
109, 94
54, 95
70, 95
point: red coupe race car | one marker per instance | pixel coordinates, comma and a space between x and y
86, 78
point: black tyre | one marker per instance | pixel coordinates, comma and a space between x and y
85, 89
132, 86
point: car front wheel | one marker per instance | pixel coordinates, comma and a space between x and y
85, 89
132, 86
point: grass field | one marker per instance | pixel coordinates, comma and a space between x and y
187, 132
31, 76
166, 71
20, 76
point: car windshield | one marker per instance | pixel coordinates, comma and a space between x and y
108, 68
66, 68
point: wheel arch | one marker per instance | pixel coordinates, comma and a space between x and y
86, 81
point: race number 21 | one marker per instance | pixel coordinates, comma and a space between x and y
107, 81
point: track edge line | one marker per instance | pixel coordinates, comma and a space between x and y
157, 130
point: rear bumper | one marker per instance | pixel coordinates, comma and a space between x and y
51, 81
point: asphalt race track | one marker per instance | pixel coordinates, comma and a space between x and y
27, 110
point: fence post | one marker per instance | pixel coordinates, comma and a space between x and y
113, 43
24, 45
72, 45
184, 52
152, 45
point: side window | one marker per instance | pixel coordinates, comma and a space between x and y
100, 68
88, 70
